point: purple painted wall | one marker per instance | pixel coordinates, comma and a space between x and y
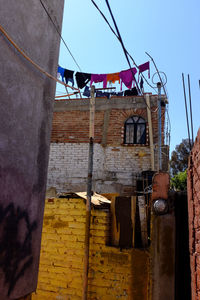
26, 98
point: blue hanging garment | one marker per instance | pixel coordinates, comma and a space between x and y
61, 71
86, 91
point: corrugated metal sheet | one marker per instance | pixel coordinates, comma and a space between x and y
96, 200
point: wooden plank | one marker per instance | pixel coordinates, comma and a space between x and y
133, 212
143, 220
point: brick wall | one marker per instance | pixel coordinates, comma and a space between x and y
71, 119
73, 126
115, 164
194, 217
113, 274
115, 168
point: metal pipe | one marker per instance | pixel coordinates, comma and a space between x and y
159, 128
158, 73
89, 194
150, 131
109, 88
190, 109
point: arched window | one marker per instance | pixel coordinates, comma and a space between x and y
135, 130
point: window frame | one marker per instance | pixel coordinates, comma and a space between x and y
135, 126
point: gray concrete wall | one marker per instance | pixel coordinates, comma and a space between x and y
26, 98
135, 102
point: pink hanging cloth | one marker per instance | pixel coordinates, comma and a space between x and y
99, 78
127, 77
144, 67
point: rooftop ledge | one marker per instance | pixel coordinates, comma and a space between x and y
102, 103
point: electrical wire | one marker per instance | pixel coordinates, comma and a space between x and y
127, 53
60, 35
157, 72
106, 20
117, 35
164, 92
124, 49
121, 42
31, 61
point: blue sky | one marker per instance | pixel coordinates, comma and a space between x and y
168, 30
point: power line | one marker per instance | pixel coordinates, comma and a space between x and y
164, 92
118, 37
60, 34
111, 30
120, 40
124, 49
122, 44
157, 72
106, 20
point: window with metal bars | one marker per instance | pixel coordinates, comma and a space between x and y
135, 130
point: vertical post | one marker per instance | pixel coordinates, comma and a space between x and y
186, 111
89, 193
159, 128
190, 109
150, 132
133, 213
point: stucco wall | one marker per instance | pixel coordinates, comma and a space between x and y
25, 127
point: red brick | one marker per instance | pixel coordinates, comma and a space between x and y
76, 124
194, 216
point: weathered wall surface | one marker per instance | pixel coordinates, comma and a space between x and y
162, 243
115, 168
113, 273
194, 217
71, 119
116, 164
25, 125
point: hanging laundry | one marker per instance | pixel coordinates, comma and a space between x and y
86, 91
112, 78
61, 71
119, 94
127, 77
141, 83
106, 94
99, 78
82, 79
132, 92
68, 75
102, 94
144, 67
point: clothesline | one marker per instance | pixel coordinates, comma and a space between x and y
30, 60
127, 77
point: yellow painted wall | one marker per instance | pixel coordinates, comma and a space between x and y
113, 274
